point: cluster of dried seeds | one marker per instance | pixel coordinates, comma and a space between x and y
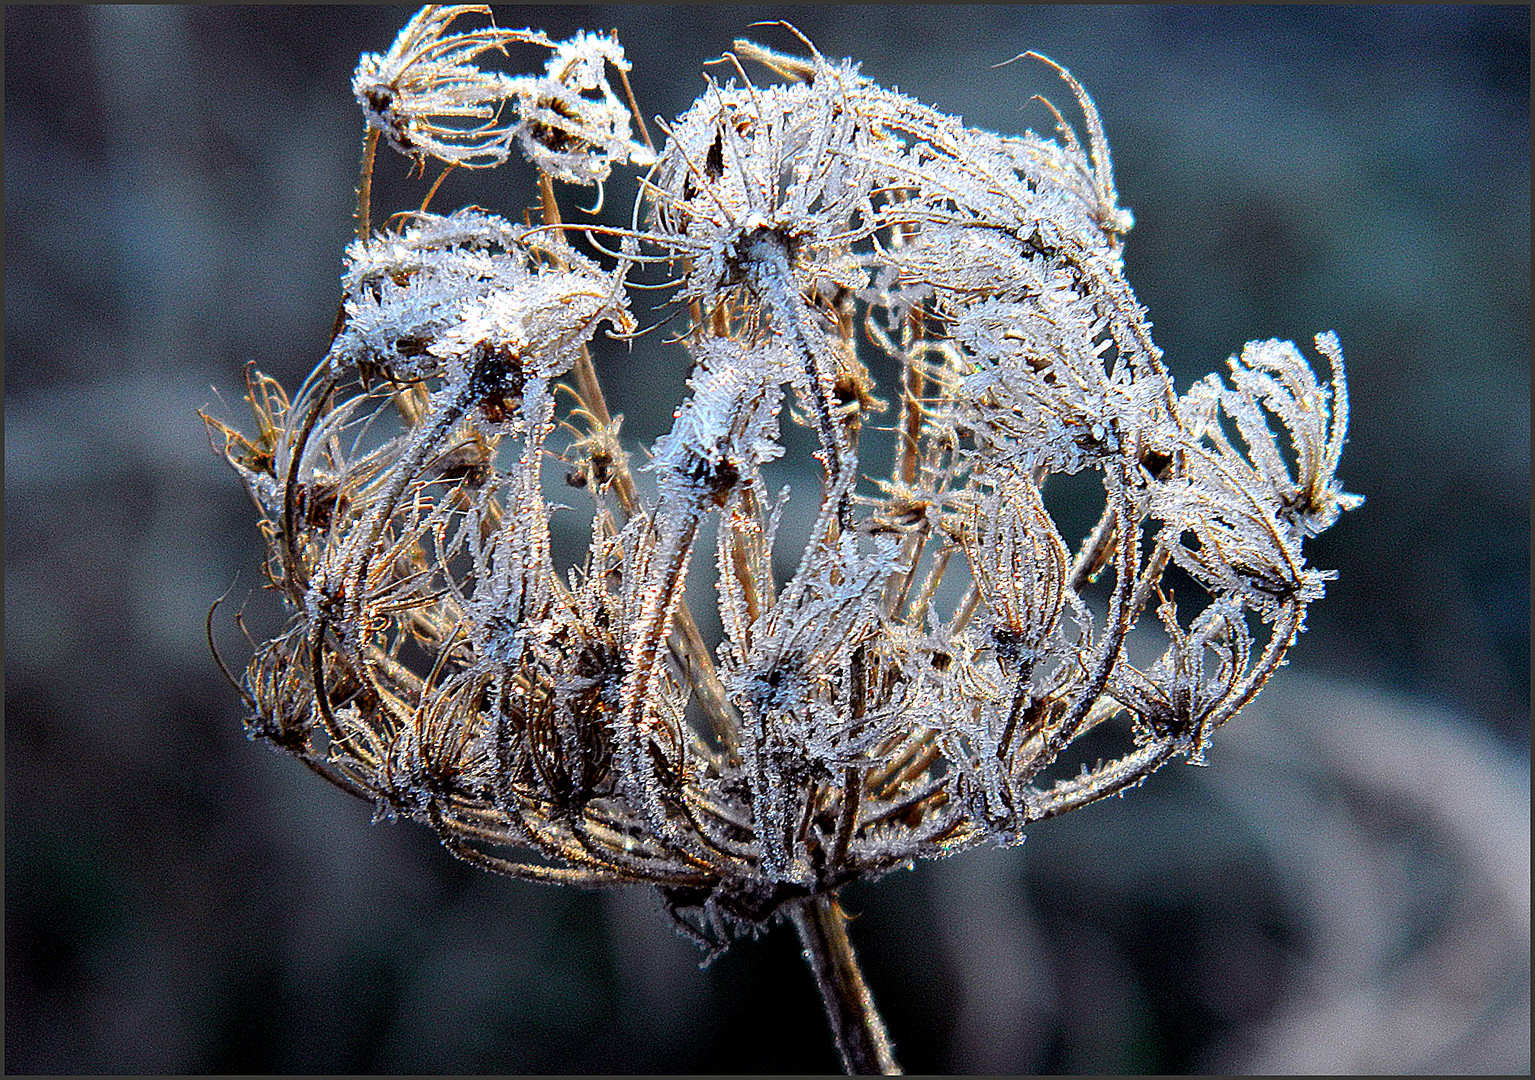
897, 689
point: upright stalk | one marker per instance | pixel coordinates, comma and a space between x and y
862, 1041
362, 217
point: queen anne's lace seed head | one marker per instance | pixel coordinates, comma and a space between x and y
1273, 374
428, 98
786, 161
1020, 564
902, 682
724, 432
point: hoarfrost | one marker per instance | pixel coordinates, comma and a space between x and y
901, 687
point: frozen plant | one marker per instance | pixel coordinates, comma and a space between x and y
897, 689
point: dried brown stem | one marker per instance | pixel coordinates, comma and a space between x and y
362, 217
856, 1025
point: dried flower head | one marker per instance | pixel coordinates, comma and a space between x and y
427, 96
902, 685
571, 123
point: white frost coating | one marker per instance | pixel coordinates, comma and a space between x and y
422, 302
570, 122
945, 310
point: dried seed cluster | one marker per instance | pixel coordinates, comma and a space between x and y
900, 686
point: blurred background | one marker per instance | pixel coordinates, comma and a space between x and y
1345, 889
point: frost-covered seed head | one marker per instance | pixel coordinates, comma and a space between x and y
571, 124
899, 682
427, 96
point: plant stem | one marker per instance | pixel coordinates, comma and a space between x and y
362, 216
861, 1038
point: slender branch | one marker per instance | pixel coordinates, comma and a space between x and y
362, 216
862, 1041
